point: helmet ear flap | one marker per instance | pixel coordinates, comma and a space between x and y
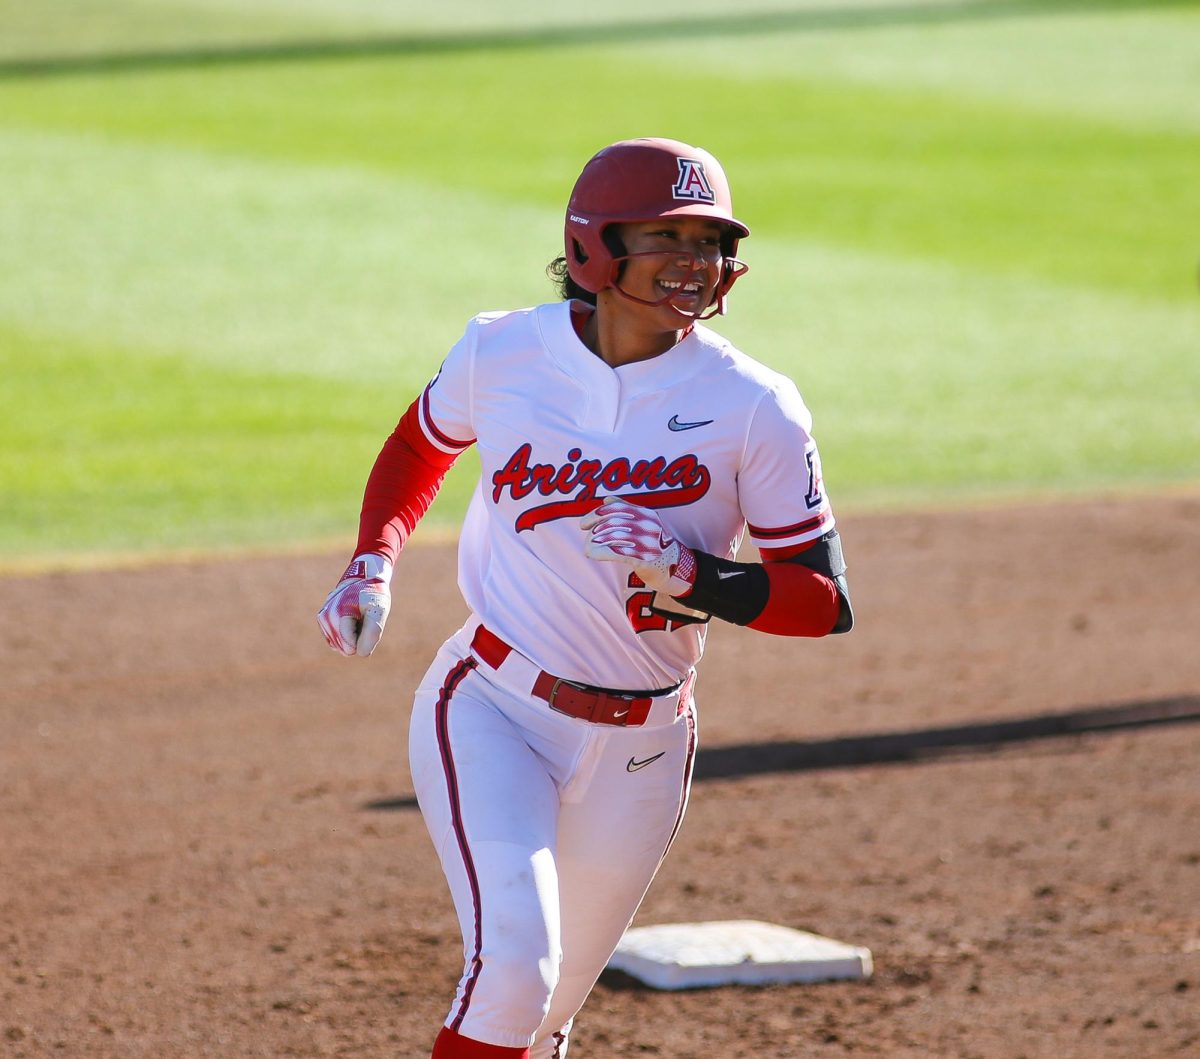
589, 253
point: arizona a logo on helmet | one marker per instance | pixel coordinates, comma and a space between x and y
693, 181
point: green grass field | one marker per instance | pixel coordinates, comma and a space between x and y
229, 259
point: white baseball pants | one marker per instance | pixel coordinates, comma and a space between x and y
549, 830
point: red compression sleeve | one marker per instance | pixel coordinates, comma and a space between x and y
406, 477
800, 602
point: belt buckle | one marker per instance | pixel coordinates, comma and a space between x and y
554, 688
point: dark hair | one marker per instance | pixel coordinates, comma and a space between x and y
567, 287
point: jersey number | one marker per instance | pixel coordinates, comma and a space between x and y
641, 617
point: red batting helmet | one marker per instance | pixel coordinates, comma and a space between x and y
643, 180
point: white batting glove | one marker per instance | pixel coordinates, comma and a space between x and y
621, 532
356, 611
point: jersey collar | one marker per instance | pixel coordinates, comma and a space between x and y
565, 347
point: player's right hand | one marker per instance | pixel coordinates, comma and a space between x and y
356, 611
621, 532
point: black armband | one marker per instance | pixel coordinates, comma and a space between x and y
735, 592
825, 557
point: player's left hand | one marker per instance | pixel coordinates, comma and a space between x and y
621, 532
356, 611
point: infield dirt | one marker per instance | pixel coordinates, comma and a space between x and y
210, 846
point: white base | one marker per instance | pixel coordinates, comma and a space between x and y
736, 952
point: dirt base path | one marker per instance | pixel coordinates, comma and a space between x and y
209, 846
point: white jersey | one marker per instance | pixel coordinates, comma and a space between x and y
710, 438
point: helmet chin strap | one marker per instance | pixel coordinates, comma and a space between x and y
697, 270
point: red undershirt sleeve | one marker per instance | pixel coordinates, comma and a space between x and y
800, 601
403, 483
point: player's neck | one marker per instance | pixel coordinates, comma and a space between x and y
619, 336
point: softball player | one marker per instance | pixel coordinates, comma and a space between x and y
626, 450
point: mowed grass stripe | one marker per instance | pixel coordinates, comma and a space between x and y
1132, 64
184, 27
256, 264
104, 450
931, 382
890, 169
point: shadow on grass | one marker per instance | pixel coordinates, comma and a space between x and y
834, 16
922, 744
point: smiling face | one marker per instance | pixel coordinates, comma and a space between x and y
671, 266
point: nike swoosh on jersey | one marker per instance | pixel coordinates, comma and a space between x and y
725, 575
674, 424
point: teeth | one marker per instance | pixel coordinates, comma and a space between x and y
690, 287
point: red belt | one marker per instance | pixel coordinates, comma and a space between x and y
626, 709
